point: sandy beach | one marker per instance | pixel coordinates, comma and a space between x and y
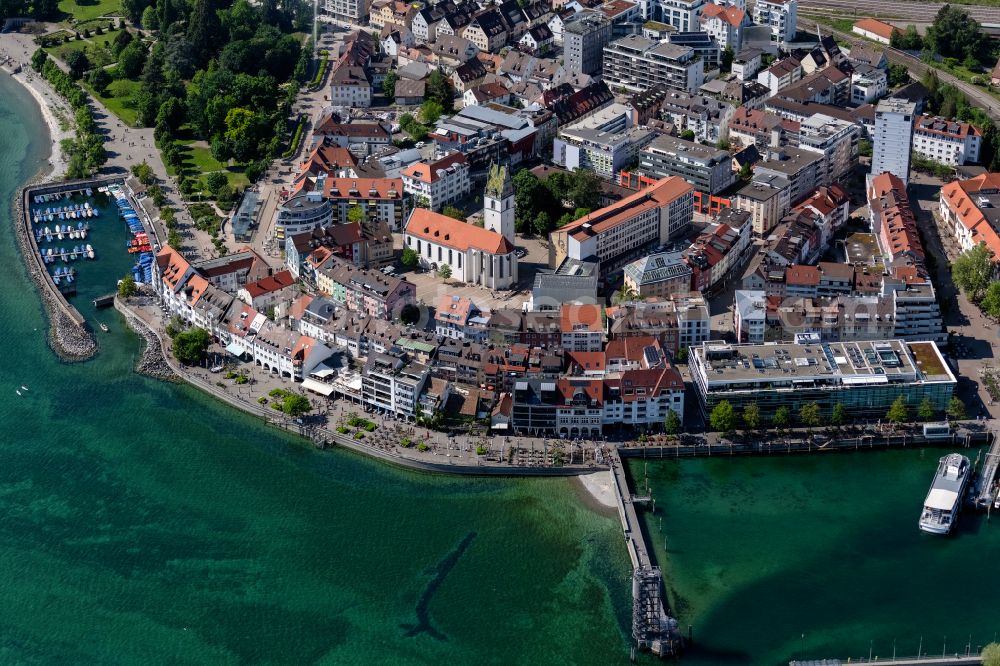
13, 52
599, 486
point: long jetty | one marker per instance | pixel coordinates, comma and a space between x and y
653, 628
986, 488
944, 660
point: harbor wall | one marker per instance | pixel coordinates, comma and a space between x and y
69, 335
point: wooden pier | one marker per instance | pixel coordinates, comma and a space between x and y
653, 628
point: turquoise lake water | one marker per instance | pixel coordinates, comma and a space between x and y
141, 523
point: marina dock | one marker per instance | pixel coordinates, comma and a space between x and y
653, 628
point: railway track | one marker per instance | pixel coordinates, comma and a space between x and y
904, 12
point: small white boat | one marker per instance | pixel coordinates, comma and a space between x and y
90, 251
104, 327
23, 387
17, 391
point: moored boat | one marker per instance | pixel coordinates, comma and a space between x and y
944, 499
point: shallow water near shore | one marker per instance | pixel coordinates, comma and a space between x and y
141, 522
818, 557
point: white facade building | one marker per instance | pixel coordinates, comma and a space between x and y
946, 141
441, 182
780, 15
893, 138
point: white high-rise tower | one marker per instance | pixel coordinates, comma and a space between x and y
498, 212
893, 138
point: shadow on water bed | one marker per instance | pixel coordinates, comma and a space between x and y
440, 572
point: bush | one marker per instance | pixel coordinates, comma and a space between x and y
406, 442
480, 450
422, 447
343, 430
261, 400
359, 435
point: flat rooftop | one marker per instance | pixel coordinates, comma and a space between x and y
839, 363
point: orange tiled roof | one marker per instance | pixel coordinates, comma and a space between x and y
876, 27
456, 234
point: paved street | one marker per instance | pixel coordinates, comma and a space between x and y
975, 338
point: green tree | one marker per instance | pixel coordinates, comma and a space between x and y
586, 189
439, 89
122, 39
444, 272
899, 75
150, 19
409, 258
430, 111
726, 59
687, 135
673, 424
131, 61
99, 79
991, 300
955, 34
38, 59
782, 417
751, 416
723, 417
991, 654
810, 415
127, 288
956, 409
745, 172
389, 87
215, 181
528, 191
295, 404
78, 64
203, 30
451, 211
45, 10
355, 214
925, 411
542, 224
865, 148
190, 345
907, 40
898, 412
144, 174
972, 271
626, 294
839, 415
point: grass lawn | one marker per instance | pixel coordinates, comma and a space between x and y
118, 99
198, 159
89, 9
97, 49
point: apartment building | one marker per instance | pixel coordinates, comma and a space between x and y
946, 141
636, 63
893, 138
781, 74
363, 291
659, 275
803, 169
394, 383
725, 24
892, 219
584, 38
347, 11
707, 168
836, 140
721, 249
683, 15
603, 152
581, 327
617, 234
767, 199
706, 116
780, 15
972, 209
747, 63
440, 182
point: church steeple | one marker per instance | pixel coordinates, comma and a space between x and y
498, 200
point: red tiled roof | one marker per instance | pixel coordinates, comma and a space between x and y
456, 234
876, 27
428, 173
585, 317
270, 284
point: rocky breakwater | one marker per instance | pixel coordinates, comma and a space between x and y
69, 335
153, 362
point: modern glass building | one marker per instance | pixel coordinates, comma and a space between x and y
865, 376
